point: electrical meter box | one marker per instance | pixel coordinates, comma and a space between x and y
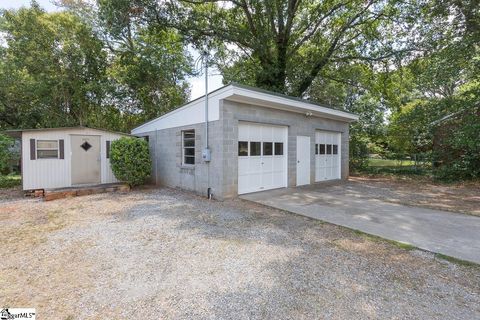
206, 155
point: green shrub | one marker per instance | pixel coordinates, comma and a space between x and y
457, 150
5, 152
130, 160
358, 153
10, 181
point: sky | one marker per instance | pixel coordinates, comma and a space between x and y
197, 84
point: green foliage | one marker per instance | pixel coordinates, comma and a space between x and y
9, 181
457, 144
409, 130
358, 152
150, 61
285, 45
52, 70
130, 160
5, 153
88, 65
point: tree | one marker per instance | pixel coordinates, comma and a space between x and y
287, 44
130, 160
99, 66
148, 63
5, 153
52, 70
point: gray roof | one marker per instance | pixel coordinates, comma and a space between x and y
17, 132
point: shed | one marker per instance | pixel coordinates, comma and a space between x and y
243, 139
65, 157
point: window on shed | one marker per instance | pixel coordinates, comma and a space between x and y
47, 149
188, 146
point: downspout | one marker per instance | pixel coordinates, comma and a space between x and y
156, 157
206, 101
206, 152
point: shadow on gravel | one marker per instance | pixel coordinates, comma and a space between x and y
237, 260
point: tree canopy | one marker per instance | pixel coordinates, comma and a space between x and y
403, 66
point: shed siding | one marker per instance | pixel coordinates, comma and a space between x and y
56, 173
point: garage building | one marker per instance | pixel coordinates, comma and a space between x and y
253, 140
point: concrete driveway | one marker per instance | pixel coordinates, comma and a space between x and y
448, 233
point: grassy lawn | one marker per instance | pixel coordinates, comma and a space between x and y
10, 181
396, 167
389, 163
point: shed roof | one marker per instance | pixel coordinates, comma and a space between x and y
17, 133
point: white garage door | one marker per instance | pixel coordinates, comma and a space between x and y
327, 155
262, 157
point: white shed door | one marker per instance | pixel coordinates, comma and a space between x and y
85, 159
327, 155
262, 157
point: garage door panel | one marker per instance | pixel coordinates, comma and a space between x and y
255, 133
243, 133
267, 133
243, 164
267, 180
278, 164
265, 169
267, 164
255, 165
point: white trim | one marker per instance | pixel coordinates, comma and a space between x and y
47, 149
213, 112
271, 100
183, 148
193, 112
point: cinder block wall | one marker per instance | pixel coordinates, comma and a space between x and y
298, 125
167, 168
221, 174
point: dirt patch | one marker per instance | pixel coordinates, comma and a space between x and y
9, 194
167, 254
422, 192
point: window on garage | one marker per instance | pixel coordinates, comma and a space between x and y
268, 148
329, 149
335, 149
255, 148
279, 148
321, 149
188, 146
243, 148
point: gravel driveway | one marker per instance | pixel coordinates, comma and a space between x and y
166, 254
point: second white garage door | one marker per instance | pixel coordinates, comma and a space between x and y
327, 155
262, 157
